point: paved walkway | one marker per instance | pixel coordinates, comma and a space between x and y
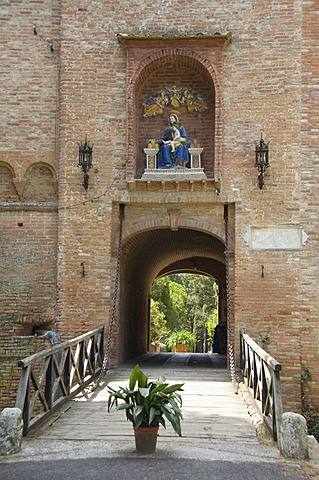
219, 440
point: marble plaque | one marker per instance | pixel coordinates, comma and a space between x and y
275, 237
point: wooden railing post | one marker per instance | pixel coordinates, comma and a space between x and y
242, 349
57, 373
101, 348
49, 383
22, 401
277, 403
264, 393
254, 367
261, 374
67, 373
81, 359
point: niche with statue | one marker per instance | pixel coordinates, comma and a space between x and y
175, 121
174, 150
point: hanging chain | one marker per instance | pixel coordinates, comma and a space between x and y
229, 319
114, 303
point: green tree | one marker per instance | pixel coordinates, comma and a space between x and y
185, 302
158, 327
171, 300
202, 301
177, 278
211, 323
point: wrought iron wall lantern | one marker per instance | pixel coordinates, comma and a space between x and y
85, 160
262, 160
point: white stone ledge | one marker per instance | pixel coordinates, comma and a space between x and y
174, 174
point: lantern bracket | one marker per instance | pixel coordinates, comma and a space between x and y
85, 160
261, 159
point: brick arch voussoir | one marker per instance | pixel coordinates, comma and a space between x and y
36, 165
144, 227
168, 52
8, 167
200, 226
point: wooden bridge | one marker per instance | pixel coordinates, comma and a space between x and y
211, 410
80, 439
56, 386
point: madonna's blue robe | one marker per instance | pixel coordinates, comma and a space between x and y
167, 158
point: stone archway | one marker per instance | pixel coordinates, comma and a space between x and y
148, 255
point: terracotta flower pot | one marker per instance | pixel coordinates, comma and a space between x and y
181, 348
145, 439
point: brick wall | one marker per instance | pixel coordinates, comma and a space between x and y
28, 270
262, 80
309, 200
14, 349
29, 73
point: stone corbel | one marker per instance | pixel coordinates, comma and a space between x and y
174, 219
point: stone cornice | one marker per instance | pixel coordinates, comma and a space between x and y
29, 206
158, 41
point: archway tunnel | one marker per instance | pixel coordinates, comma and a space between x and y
154, 253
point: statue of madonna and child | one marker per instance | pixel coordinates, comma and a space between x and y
173, 144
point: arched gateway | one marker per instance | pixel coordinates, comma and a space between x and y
150, 254
173, 219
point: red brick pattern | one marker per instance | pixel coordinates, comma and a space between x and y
65, 75
309, 200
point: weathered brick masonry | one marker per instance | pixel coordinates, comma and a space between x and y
72, 69
309, 196
28, 185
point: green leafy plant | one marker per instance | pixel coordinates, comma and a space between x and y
311, 415
265, 338
312, 418
211, 324
305, 375
148, 403
158, 325
182, 337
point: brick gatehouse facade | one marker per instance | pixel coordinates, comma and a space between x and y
112, 72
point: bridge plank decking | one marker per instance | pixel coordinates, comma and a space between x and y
211, 409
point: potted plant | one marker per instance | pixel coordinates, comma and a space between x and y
147, 404
182, 341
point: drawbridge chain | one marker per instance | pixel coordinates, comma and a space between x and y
229, 317
114, 302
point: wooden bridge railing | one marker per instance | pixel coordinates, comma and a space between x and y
262, 376
51, 377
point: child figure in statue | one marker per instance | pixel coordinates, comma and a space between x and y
177, 140
173, 145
